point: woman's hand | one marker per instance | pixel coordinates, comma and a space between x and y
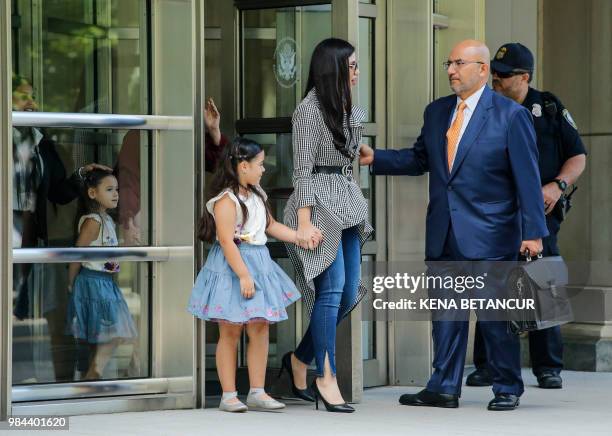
308, 236
131, 233
212, 120
247, 286
93, 166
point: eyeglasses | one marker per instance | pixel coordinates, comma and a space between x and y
459, 63
354, 66
507, 75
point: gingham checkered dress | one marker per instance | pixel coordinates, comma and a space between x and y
336, 201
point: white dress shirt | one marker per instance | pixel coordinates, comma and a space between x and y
470, 107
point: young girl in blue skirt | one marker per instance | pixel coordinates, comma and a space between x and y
240, 285
98, 315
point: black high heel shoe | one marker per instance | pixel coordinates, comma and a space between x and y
340, 408
303, 394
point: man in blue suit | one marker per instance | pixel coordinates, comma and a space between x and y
485, 203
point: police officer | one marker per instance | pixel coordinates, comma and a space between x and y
562, 159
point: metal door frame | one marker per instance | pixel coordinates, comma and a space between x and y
345, 24
375, 370
6, 217
112, 395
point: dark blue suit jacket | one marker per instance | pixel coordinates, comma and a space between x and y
493, 196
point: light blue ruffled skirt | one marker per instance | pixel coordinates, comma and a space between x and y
216, 293
97, 311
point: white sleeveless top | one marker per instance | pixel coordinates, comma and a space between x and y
107, 237
254, 230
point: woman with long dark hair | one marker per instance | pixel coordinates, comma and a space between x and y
326, 134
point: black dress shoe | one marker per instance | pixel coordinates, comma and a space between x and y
550, 380
504, 402
431, 399
480, 377
303, 394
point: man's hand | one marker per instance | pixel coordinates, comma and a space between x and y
212, 120
552, 193
534, 247
366, 155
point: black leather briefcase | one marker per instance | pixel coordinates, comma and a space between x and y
542, 280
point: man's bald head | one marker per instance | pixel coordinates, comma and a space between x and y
467, 78
476, 50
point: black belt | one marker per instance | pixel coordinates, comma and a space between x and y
346, 170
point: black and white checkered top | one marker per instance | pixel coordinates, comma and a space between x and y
336, 201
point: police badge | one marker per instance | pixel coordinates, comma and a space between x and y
536, 110
569, 118
501, 53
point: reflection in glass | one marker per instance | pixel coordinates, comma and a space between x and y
368, 328
277, 180
44, 170
366, 182
366, 66
282, 335
79, 56
90, 55
44, 348
97, 315
276, 48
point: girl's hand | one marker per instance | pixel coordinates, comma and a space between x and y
247, 287
308, 236
317, 239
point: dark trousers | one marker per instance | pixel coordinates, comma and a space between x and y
545, 346
450, 344
545, 350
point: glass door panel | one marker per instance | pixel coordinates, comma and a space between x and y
276, 46
79, 56
46, 345
371, 94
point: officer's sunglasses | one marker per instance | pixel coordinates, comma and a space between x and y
508, 75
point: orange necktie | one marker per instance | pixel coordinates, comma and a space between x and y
452, 136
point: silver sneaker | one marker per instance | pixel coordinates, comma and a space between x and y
233, 407
258, 403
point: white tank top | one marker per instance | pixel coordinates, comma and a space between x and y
254, 230
107, 237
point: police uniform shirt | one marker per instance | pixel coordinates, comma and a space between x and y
553, 125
